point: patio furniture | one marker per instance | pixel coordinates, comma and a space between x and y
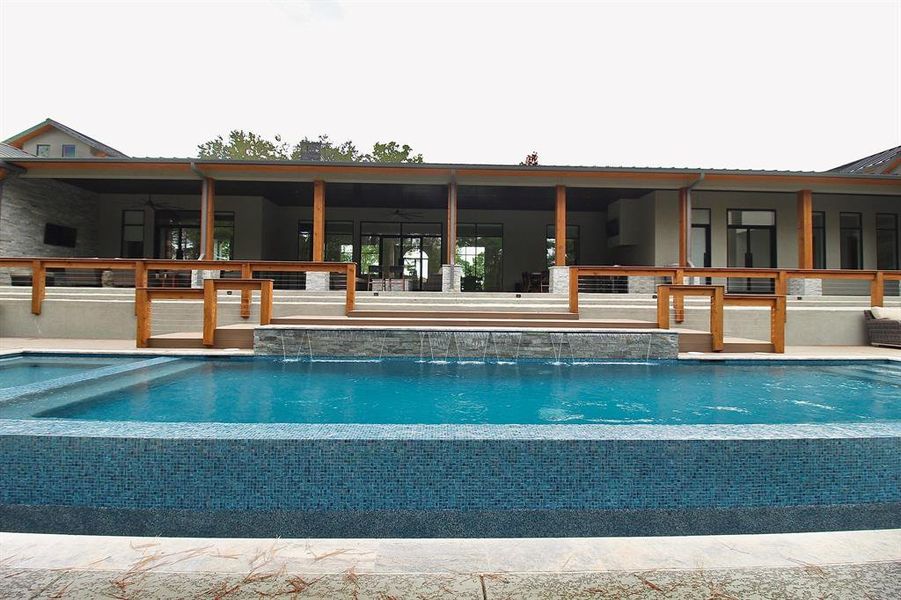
883, 326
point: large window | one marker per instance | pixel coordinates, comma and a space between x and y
750, 243
178, 235
480, 252
339, 241
409, 250
819, 240
886, 241
572, 245
132, 234
851, 239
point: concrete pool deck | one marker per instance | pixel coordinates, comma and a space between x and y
851, 564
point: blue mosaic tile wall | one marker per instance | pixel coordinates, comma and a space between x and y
493, 473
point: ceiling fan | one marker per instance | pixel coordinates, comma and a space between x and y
406, 215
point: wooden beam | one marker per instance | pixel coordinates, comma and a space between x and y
805, 229
684, 226
318, 220
451, 249
266, 302
560, 228
246, 273
38, 286
142, 312
209, 312
574, 290
877, 289
208, 218
350, 297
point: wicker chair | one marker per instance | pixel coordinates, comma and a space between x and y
883, 332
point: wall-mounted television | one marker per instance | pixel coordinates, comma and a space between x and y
60, 235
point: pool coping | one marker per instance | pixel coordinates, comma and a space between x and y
447, 432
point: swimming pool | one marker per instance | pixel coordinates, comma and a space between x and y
21, 370
254, 447
467, 392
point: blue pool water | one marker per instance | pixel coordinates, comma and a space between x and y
409, 392
18, 371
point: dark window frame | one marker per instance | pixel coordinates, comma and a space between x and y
37, 150
122, 227
894, 230
228, 215
577, 239
477, 236
821, 230
859, 230
63, 150
354, 240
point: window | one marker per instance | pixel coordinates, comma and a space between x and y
339, 241
819, 240
886, 241
132, 234
572, 245
480, 253
68, 150
178, 235
43, 150
851, 239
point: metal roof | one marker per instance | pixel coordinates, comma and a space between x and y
87, 140
877, 163
7, 151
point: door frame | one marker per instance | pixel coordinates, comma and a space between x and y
773, 232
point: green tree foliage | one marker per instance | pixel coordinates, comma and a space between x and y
242, 145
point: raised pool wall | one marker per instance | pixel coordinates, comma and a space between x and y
476, 344
445, 480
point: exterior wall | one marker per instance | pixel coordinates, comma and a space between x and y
56, 139
637, 225
27, 205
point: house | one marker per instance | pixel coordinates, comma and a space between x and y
495, 227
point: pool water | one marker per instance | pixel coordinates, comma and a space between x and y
19, 371
411, 392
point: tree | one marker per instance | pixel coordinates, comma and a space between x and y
242, 145
531, 160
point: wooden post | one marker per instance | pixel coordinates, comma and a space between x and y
805, 229
684, 227
38, 286
208, 218
574, 290
246, 273
140, 280
877, 289
679, 299
662, 307
716, 319
142, 312
318, 220
560, 228
350, 298
451, 250
781, 284
777, 325
266, 301
209, 312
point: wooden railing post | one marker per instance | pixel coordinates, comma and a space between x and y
877, 289
38, 286
716, 319
781, 284
777, 325
662, 307
246, 273
350, 298
678, 299
266, 302
143, 314
574, 290
209, 312
140, 280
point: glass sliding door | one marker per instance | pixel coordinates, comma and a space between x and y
480, 252
408, 250
178, 235
751, 242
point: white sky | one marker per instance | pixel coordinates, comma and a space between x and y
807, 85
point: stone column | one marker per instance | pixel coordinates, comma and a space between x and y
559, 280
642, 285
805, 287
451, 278
197, 276
318, 281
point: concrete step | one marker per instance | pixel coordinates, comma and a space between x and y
461, 314
464, 321
226, 337
698, 341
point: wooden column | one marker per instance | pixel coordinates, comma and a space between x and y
39, 284
210, 309
560, 228
208, 218
805, 229
684, 226
318, 220
246, 295
142, 312
450, 250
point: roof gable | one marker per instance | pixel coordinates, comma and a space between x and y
886, 162
18, 140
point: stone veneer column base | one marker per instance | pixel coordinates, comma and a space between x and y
805, 287
317, 281
197, 277
642, 285
451, 278
559, 280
